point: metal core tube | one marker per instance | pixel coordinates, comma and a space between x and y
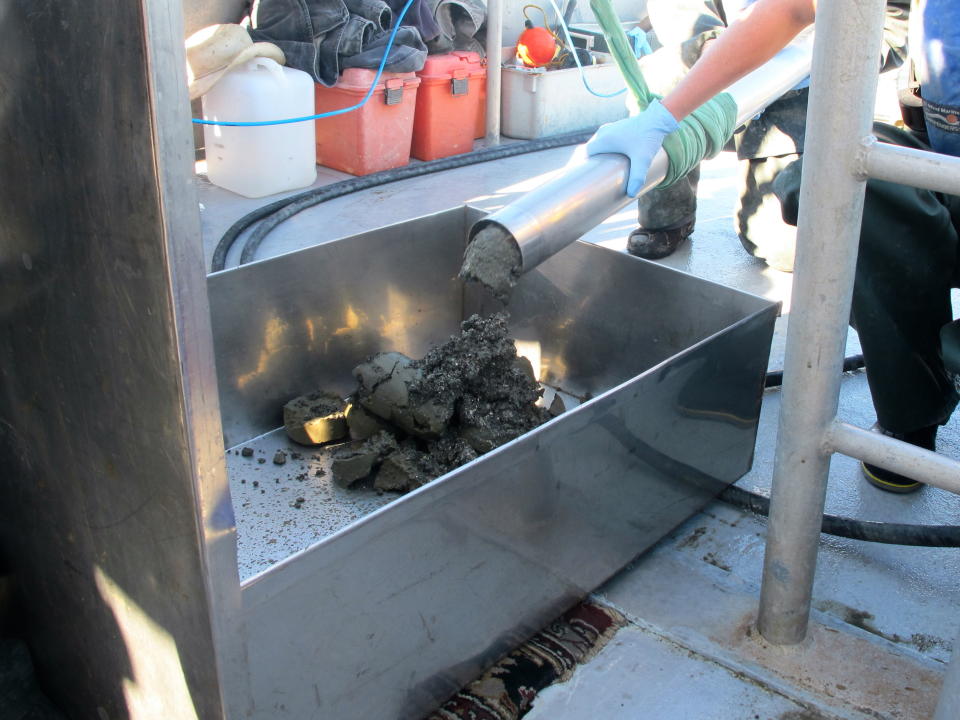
546, 220
831, 207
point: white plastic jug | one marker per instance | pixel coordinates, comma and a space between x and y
261, 160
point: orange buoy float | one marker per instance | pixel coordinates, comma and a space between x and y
536, 46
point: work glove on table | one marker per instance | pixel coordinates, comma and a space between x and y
638, 138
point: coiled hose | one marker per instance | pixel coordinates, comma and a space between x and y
276, 212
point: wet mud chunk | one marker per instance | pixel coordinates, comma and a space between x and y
316, 418
357, 460
387, 389
405, 470
362, 423
492, 392
493, 259
414, 420
557, 407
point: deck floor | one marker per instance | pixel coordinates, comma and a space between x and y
885, 616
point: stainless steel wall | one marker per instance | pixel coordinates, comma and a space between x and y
388, 616
114, 511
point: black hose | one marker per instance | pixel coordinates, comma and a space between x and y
775, 377
276, 212
889, 533
878, 532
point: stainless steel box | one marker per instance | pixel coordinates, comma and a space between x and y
388, 614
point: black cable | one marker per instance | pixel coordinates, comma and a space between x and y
276, 212
868, 531
775, 377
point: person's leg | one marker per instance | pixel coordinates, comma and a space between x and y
901, 300
686, 24
909, 258
759, 221
666, 217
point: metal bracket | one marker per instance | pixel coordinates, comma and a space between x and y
461, 86
393, 96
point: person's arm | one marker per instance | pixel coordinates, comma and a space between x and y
759, 34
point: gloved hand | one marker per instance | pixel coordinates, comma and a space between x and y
638, 138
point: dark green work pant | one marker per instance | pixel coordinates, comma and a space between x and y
908, 263
757, 221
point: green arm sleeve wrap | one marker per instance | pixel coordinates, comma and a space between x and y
702, 134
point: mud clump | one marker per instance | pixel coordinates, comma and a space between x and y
466, 397
391, 387
357, 460
315, 418
493, 259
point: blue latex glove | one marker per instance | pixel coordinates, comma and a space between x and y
638, 138
640, 42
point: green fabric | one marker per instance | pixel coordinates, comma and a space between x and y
702, 134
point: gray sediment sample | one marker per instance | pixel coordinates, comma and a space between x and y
362, 423
315, 418
386, 388
405, 470
357, 460
557, 407
493, 259
424, 418
490, 391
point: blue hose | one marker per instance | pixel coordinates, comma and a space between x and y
576, 58
331, 113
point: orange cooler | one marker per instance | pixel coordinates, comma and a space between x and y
377, 136
448, 105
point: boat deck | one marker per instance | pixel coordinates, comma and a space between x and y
884, 616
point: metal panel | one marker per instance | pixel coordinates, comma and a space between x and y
107, 405
287, 325
389, 616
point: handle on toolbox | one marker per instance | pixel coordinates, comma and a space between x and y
393, 91
460, 84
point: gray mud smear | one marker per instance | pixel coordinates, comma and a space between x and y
493, 259
466, 397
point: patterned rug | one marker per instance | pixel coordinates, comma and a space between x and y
507, 690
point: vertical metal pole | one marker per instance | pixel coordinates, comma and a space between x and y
842, 95
494, 51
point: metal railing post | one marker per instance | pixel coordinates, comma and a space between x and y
842, 95
494, 49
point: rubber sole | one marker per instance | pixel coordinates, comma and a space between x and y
887, 485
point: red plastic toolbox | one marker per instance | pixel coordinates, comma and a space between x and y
448, 104
376, 136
